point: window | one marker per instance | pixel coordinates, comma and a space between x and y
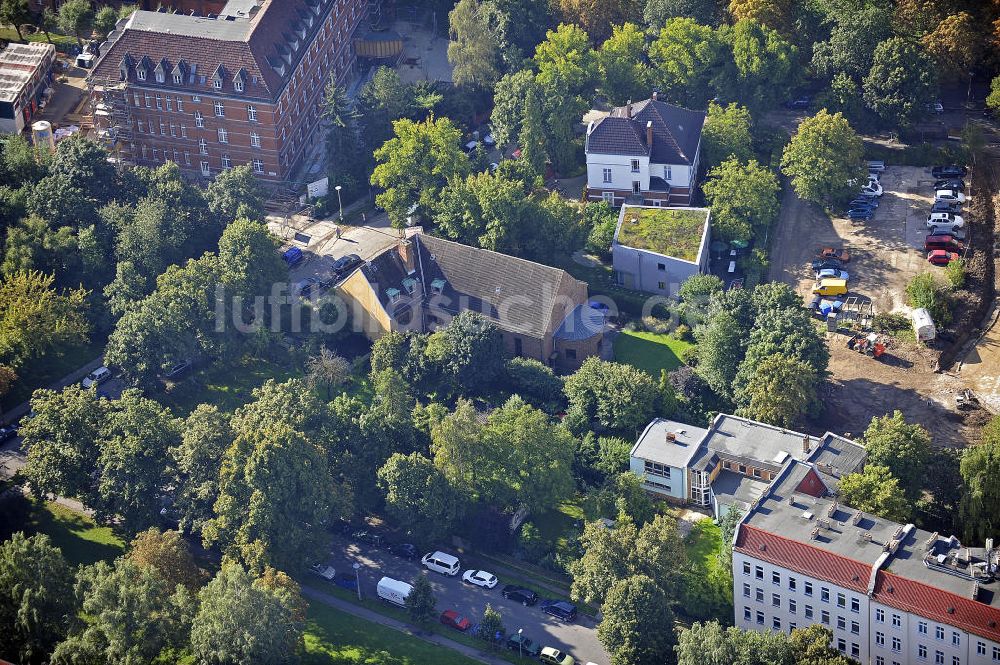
238, 85
855, 605
184, 131
223, 135
204, 168
841, 600
666, 172
922, 651
938, 658
759, 572
199, 119
980, 648
220, 110
776, 578
855, 628
159, 103
173, 129
938, 633
187, 158
635, 166
177, 78
663, 266
144, 152
824, 617
147, 99
880, 638
571, 354
809, 588
841, 623
855, 650
180, 105
955, 660
140, 74
759, 595
195, 99
996, 653
140, 125
607, 175
258, 166
217, 83
879, 660
922, 627
897, 621
662, 286
775, 600
255, 139
824, 594
760, 618
203, 146
776, 623
156, 154
252, 113
809, 611
135, 96
956, 639
841, 645
880, 615
656, 469
791, 606
897, 645
170, 103
791, 627
163, 128
160, 78
792, 583
746, 567
746, 614
227, 163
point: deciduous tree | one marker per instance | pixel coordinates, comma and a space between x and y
744, 199
621, 61
687, 58
956, 45
329, 370
875, 490
167, 554
104, 21
596, 17
637, 628
15, 13
775, 14
824, 159
903, 448
35, 317
419, 496
474, 52
901, 82
235, 193
726, 135
421, 601
766, 65
656, 13
779, 391
980, 468
205, 437
852, 42
76, 17
618, 397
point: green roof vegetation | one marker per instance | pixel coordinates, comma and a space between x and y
667, 231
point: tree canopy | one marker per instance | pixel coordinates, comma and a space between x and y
824, 159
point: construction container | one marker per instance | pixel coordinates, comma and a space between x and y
923, 325
41, 135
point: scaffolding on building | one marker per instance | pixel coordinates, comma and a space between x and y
113, 119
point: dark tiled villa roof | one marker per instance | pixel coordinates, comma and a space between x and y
676, 132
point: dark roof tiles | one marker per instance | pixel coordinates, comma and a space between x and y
676, 132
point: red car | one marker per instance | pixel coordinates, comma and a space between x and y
455, 620
945, 242
841, 255
940, 257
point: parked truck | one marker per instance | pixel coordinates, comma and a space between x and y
393, 591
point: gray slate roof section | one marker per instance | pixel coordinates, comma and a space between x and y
838, 456
237, 30
583, 323
385, 271
676, 132
493, 284
654, 446
745, 439
730, 488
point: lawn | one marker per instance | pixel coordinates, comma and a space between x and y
704, 543
225, 386
558, 525
81, 540
335, 638
51, 367
671, 232
62, 42
650, 352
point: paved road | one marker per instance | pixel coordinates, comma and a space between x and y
578, 639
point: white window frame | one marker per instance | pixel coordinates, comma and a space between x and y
251, 113
199, 119
223, 135
220, 110
140, 73
255, 139
206, 169
258, 165
606, 176
227, 162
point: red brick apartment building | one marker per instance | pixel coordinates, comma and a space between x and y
212, 92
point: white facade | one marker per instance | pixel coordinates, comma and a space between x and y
655, 272
624, 173
774, 598
662, 479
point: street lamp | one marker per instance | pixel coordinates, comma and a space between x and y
340, 203
357, 567
520, 642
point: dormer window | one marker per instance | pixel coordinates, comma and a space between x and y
238, 85
393, 295
178, 79
410, 285
159, 77
140, 74
437, 286
217, 83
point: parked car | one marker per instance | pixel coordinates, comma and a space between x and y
97, 377
441, 562
177, 370
305, 287
841, 255
560, 609
326, 572
935, 107
936, 218
344, 265
876, 166
553, 656
950, 183
823, 264
950, 171
860, 213
941, 257
949, 196
292, 256
480, 578
832, 272
404, 550
799, 103
7, 433
864, 202
873, 188
520, 594
957, 233
875, 175
455, 620
945, 206
830, 287
370, 537
523, 645
943, 241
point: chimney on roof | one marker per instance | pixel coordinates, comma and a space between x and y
655, 95
671, 437
628, 109
405, 250
805, 443
649, 134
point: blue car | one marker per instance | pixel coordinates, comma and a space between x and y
860, 213
292, 256
863, 203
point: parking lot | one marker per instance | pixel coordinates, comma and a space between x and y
579, 638
886, 251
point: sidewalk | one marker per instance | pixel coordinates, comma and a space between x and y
19, 410
368, 615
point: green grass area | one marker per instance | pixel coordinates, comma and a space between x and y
556, 526
671, 232
51, 367
649, 351
335, 638
225, 386
703, 544
62, 42
81, 540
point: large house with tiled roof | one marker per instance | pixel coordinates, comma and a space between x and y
419, 285
644, 154
210, 92
892, 594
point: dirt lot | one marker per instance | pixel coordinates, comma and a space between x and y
886, 253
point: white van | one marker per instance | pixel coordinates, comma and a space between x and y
442, 563
393, 591
97, 377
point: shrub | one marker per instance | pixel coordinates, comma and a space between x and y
683, 333
689, 356
531, 542
534, 381
657, 325
925, 291
890, 322
955, 273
